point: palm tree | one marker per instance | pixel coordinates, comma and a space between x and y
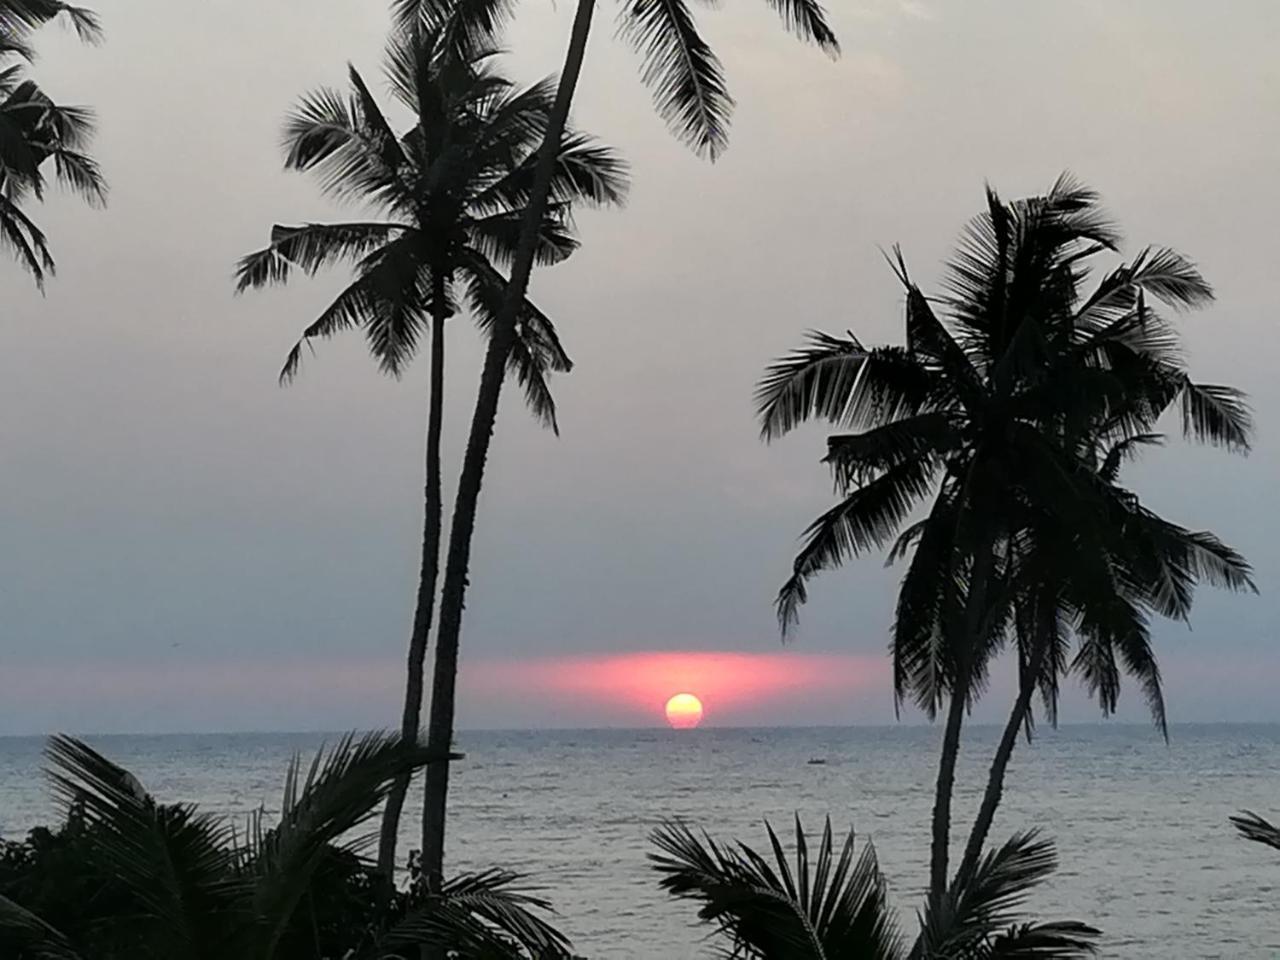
181, 883
999, 413
36, 132
451, 194
837, 906
690, 92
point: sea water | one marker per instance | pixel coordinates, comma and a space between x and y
1147, 853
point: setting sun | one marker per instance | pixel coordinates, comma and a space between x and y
684, 711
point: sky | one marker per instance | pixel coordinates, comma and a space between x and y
188, 546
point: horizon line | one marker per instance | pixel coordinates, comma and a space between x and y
1100, 722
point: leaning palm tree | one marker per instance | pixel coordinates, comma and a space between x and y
450, 195
837, 905
690, 92
36, 133
998, 414
181, 883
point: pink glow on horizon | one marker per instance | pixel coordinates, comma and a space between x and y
723, 681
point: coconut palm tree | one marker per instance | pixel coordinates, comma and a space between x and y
837, 905
690, 93
450, 195
999, 414
166, 880
36, 133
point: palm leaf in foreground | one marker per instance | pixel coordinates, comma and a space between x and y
978, 917
1253, 827
837, 906
175, 882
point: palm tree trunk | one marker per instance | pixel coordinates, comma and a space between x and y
974, 616
1000, 762
430, 570
453, 594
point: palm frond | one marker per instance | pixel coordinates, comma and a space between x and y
171, 859
327, 133
977, 916
19, 17
536, 351
1060, 940
842, 382
463, 25
81, 174
808, 21
309, 247
585, 172
1217, 415
858, 457
1125, 450
23, 237
1253, 827
27, 936
837, 908
497, 236
683, 72
342, 790
867, 518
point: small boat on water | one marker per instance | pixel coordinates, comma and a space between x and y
817, 761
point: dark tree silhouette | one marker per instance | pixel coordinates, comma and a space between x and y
36, 133
181, 883
690, 93
836, 905
451, 194
1014, 415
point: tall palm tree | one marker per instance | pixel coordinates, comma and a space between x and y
450, 194
181, 883
998, 413
837, 905
35, 132
690, 92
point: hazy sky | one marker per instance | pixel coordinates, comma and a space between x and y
188, 546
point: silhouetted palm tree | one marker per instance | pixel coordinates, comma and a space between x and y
836, 906
36, 132
690, 92
189, 884
452, 193
1000, 413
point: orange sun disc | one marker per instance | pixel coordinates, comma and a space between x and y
684, 711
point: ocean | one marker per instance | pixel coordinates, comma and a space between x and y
1146, 850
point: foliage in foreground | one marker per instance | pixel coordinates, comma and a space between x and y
36, 133
836, 906
127, 876
1253, 827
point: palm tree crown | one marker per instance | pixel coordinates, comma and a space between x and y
36, 132
687, 79
449, 195
1015, 414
